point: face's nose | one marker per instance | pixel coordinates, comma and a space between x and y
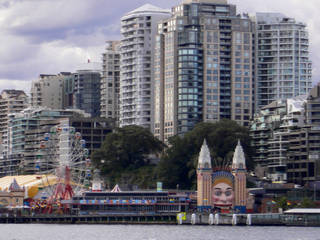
223, 197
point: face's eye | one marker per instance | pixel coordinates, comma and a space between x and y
228, 193
217, 193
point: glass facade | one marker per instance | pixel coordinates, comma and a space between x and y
87, 92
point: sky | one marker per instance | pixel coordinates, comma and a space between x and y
52, 36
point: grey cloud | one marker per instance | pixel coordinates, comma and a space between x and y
15, 84
50, 36
44, 20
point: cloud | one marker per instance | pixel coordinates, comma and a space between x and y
45, 20
23, 85
46, 36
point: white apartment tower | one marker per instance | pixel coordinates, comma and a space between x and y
11, 101
110, 81
138, 29
282, 59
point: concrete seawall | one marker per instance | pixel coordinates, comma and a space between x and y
92, 219
180, 219
231, 219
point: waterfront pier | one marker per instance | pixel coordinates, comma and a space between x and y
231, 219
293, 218
93, 219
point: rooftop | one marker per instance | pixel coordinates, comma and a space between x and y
206, 1
274, 18
303, 210
148, 8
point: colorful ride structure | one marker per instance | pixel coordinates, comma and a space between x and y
66, 157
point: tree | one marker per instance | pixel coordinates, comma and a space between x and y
282, 203
124, 155
178, 164
307, 203
174, 165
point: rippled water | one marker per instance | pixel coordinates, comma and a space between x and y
153, 232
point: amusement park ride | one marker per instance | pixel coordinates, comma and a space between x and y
65, 156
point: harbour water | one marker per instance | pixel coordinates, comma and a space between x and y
153, 232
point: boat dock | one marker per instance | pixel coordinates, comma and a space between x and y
297, 217
294, 217
93, 219
230, 219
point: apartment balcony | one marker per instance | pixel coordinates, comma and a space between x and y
297, 153
126, 44
314, 138
264, 136
262, 150
129, 58
314, 145
225, 36
314, 156
128, 98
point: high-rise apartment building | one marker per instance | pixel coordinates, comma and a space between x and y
138, 29
48, 90
110, 81
203, 67
282, 58
11, 101
66, 90
86, 92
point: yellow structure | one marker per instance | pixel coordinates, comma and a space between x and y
13, 196
30, 183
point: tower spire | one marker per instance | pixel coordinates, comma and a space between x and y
204, 178
238, 161
239, 173
204, 160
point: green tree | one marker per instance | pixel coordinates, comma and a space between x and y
124, 155
174, 166
282, 203
307, 203
178, 164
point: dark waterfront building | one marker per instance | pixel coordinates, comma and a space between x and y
286, 135
146, 202
93, 130
303, 163
265, 199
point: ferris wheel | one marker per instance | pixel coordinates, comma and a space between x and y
66, 157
